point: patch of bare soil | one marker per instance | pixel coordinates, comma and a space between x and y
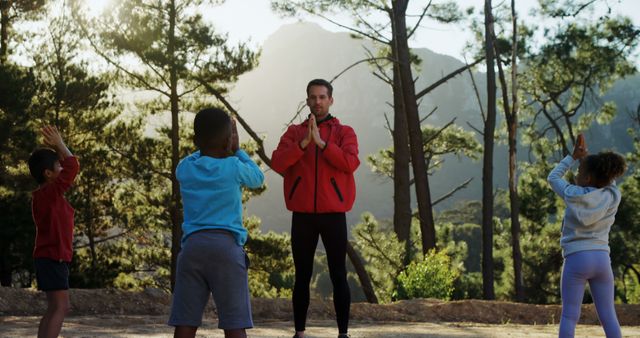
154, 302
117, 326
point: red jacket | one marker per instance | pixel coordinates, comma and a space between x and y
317, 180
53, 215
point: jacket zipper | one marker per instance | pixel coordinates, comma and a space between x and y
315, 190
295, 185
335, 187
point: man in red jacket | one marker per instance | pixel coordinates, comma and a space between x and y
317, 159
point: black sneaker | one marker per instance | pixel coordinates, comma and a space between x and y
344, 335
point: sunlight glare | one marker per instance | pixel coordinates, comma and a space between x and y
96, 8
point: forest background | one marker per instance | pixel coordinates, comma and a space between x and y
452, 195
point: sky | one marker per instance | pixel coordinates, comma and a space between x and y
253, 20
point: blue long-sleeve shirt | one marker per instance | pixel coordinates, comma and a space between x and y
211, 192
590, 211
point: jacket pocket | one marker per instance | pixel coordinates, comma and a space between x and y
295, 185
335, 187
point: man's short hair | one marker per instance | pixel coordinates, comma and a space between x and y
210, 126
321, 82
40, 160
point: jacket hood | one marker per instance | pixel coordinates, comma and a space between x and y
593, 206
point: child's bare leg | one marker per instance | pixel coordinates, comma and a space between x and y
185, 331
58, 306
44, 322
235, 333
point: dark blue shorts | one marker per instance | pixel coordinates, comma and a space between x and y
52, 275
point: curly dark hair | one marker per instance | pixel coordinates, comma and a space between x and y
604, 167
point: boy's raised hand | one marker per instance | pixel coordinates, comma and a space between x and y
53, 138
580, 149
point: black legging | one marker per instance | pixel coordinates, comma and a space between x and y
305, 230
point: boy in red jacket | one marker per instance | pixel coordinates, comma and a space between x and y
53, 216
317, 159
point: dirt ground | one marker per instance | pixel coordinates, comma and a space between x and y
115, 313
153, 326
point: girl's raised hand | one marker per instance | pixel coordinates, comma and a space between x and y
580, 149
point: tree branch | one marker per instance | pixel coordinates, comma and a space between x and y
357, 31
475, 89
301, 106
189, 91
480, 132
558, 130
388, 124
355, 64
447, 78
374, 30
261, 152
383, 74
160, 173
424, 12
434, 136
382, 78
450, 193
137, 77
371, 59
429, 115
96, 241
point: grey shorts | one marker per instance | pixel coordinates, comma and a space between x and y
211, 262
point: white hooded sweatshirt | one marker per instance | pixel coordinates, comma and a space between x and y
589, 214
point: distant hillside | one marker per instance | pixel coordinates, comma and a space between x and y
269, 96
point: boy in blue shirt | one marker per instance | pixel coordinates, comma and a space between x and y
212, 259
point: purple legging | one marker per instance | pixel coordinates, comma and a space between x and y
593, 266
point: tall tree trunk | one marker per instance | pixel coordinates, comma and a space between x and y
421, 179
175, 210
365, 281
4, 30
401, 173
511, 116
514, 203
514, 200
487, 167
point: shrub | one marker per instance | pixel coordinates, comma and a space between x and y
431, 278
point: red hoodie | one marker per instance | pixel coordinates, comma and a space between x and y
53, 215
317, 180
